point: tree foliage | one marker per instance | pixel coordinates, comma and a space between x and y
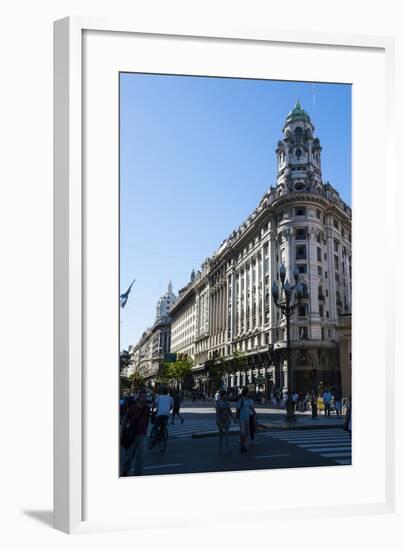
180, 370
135, 380
125, 360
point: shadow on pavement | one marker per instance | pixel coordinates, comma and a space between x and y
43, 516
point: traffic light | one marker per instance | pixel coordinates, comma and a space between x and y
313, 374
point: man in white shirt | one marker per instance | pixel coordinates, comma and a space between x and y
217, 396
163, 406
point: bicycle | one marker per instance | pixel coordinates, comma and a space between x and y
161, 437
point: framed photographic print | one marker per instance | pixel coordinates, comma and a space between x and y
215, 199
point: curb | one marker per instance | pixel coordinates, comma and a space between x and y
298, 426
202, 435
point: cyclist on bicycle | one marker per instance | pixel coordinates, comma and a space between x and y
163, 406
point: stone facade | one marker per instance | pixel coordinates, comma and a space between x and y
345, 352
227, 305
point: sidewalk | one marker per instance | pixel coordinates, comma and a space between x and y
305, 422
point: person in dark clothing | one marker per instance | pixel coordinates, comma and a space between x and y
337, 398
133, 434
314, 405
252, 421
176, 407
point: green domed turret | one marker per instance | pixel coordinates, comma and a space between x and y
297, 113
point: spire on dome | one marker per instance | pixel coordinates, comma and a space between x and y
165, 302
298, 113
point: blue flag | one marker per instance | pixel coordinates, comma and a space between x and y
124, 297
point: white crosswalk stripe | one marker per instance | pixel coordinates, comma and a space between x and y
189, 427
333, 443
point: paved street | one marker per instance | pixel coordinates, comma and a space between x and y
273, 448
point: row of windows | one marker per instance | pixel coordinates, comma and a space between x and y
302, 211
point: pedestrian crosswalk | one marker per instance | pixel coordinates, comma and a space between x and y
189, 427
335, 443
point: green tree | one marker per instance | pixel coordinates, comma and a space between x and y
125, 381
164, 375
180, 370
137, 380
125, 360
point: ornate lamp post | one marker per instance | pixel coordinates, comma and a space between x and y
292, 298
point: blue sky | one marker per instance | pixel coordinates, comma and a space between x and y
196, 156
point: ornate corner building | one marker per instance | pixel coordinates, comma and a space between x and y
227, 305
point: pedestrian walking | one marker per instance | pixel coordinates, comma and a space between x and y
132, 436
327, 398
307, 399
176, 407
217, 396
243, 413
294, 397
252, 421
337, 398
284, 400
314, 405
224, 416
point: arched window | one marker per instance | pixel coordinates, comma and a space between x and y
298, 133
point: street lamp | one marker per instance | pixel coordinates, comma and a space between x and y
293, 295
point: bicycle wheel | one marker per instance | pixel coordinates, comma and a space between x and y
152, 437
164, 434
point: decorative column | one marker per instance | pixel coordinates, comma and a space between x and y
239, 300
273, 269
262, 285
245, 297
251, 294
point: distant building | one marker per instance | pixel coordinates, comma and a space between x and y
149, 353
227, 306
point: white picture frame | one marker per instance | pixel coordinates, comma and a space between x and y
72, 269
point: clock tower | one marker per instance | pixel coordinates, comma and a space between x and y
298, 155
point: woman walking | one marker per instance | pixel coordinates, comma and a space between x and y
224, 417
243, 414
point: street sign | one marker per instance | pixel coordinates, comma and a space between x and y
170, 357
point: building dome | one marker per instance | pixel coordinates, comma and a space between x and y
165, 303
297, 113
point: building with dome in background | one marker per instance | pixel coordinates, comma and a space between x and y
154, 344
226, 309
